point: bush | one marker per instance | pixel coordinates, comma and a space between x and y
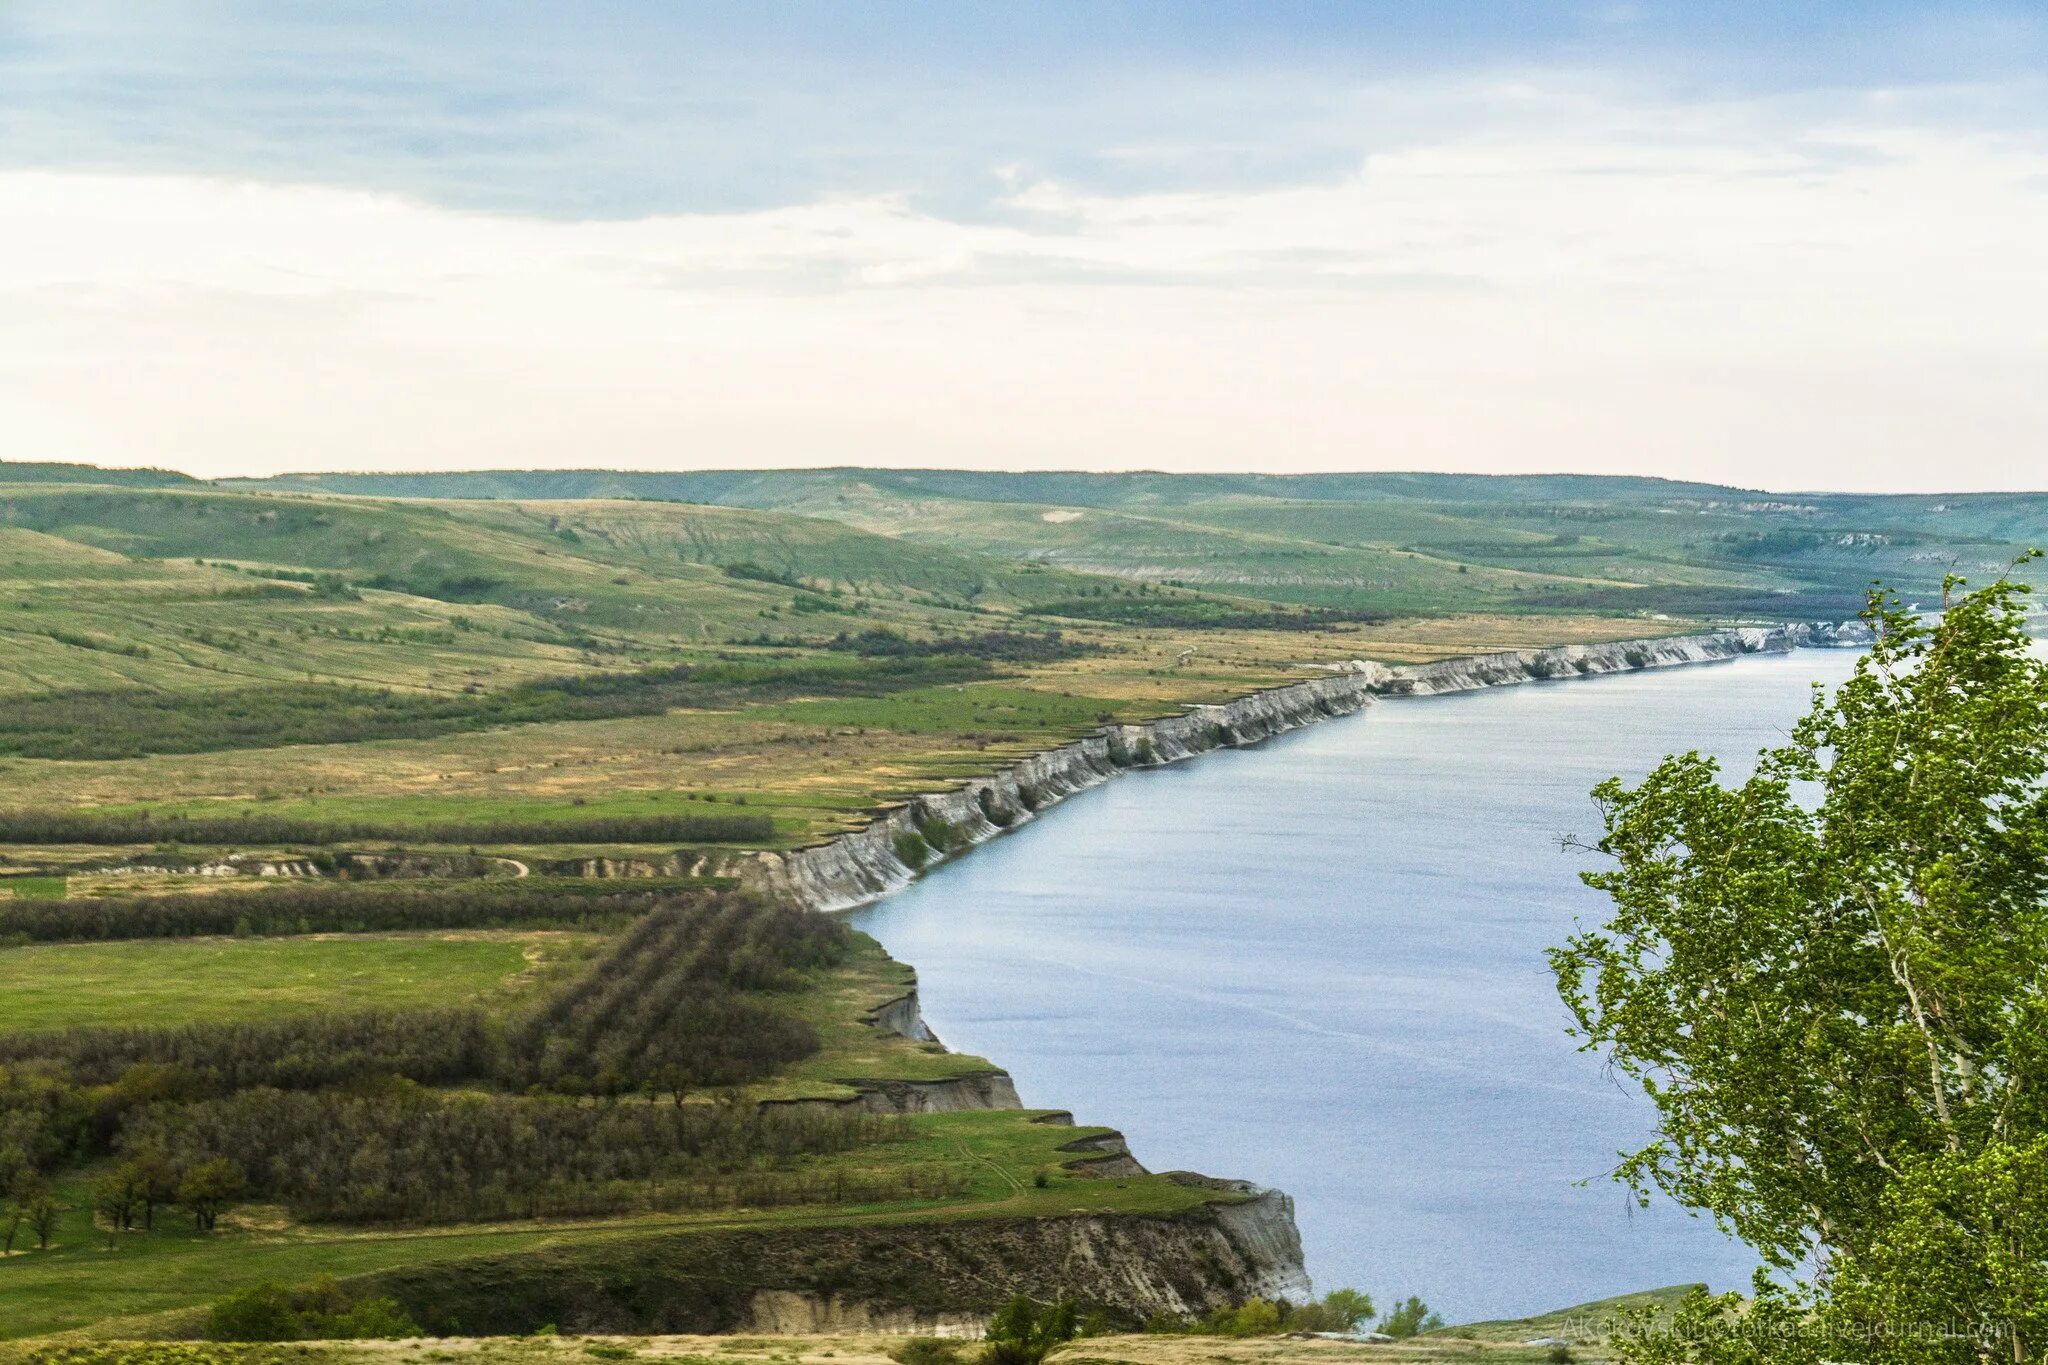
911, 849
1341, 1310
925, 1351
1410, 1318
942, 835
317, 1310
262, 1312
1252, 1318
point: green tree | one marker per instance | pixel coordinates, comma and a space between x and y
1829, 978
1023, 1331
43, 1215
113, 1199
209, 1189
1348, 1308
1409, 1318
155, 1184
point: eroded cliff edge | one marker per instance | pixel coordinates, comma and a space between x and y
885, 855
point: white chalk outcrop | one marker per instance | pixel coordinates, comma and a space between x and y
885, 855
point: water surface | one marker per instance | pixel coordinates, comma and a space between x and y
1318, 964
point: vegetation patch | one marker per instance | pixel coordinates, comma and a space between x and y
63, 986
147, 827
129, 723
524, 903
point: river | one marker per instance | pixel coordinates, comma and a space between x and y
1318, 964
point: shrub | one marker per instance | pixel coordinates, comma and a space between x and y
1410, 1318
911, 849
942, 835
318, 1309
262, 1312
925, 1351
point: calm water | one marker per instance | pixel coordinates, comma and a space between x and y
1318, 964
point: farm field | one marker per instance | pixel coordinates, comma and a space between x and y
152, 982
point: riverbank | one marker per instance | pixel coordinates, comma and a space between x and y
866, 864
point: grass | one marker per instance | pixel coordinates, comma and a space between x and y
57, 986
78, 1281
836, 1002
35, 888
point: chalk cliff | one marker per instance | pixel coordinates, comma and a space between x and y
871, 862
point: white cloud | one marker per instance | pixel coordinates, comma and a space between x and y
1738, 292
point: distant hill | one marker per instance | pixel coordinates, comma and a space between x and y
35, 471
1403, 542
780, 487
1406, 542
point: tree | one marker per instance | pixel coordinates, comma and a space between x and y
1410, 1318
113, 1198
1829, 980
1348, 1307
156, 1182
209, 1189
42, 1218
11, 1219
1022, 1332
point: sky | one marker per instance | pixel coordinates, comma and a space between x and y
1782, 245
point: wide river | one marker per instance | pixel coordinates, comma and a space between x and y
1318, 964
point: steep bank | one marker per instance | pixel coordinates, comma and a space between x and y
885, 855
925, 1276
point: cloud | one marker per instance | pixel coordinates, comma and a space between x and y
1772, 291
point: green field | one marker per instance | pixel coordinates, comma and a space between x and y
56, 986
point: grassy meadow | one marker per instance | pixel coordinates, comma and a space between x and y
207, 980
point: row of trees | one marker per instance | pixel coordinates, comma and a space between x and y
670, 1004
397, 1152
144, 827
299, 1052
320, 908
684, 1000
1004, 646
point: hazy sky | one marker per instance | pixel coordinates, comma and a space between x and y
1779, 244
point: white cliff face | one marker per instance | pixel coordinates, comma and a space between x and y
1579, 661
869, 863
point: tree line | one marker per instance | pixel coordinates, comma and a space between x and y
318, 908
1194, 613
298, 1052
147, 827
397, 1152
